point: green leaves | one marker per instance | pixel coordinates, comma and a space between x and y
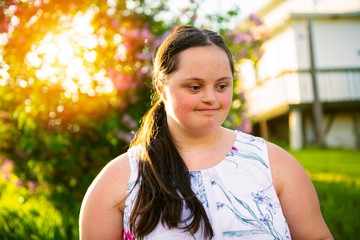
74, 83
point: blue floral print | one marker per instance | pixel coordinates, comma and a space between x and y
251, 156
130, 199
260, 225
198, 187
251, 138
245, 154
238, 195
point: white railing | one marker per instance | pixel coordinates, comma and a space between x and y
295, 87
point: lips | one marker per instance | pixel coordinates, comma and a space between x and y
208, 110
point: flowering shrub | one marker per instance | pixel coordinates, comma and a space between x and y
74, 82
24, 214
74, 77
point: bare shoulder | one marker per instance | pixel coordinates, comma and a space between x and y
114, 176
297, 196
284, 167
116, 171
102, 208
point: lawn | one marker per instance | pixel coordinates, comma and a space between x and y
336, 177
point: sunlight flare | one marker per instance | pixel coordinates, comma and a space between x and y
66, 57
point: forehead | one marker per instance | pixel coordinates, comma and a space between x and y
204, 59
202, 52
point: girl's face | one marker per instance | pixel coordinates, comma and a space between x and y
198, 94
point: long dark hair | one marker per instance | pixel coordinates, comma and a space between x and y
163, 176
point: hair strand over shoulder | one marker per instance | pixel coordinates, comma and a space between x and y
164, 180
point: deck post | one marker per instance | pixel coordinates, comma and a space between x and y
295, 128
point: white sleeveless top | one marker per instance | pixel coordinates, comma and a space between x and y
238, 196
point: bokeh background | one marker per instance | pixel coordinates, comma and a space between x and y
75, 80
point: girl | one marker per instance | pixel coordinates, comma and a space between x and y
187, 177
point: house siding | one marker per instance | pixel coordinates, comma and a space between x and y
281, 47
284, 84
302, 43
337, 43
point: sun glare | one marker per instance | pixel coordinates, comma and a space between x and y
66, 58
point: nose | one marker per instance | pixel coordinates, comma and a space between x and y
209, 96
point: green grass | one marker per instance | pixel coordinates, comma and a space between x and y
344, 162
336, 177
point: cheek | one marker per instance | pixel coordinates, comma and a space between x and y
180, 104
184, 104
226, 100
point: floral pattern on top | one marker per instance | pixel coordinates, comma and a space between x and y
130, 199
128, 235
238, 196
245, 154
261, 223
251, 139
198, 187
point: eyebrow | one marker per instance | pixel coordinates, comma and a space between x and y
202, 80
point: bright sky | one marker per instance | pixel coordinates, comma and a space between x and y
221, 6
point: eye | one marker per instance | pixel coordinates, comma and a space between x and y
194, 88
222, 86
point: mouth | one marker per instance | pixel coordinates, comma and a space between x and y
208, 110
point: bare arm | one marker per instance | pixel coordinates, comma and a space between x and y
102, 209
297, 196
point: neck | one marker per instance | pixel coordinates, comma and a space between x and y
202, 152
187, 142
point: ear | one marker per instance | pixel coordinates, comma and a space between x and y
160, 89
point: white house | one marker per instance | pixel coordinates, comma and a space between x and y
309, 41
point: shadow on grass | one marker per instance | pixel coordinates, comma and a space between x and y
340, 206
